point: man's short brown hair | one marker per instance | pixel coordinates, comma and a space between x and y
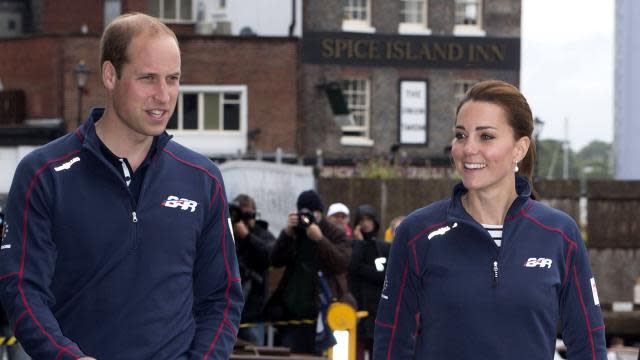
119, 34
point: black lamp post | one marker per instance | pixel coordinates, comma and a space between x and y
82, 74
538, 125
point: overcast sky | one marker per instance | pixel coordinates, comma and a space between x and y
567, 67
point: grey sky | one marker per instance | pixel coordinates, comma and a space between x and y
567, 67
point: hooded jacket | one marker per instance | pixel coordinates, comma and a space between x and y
86, 268
366, 277
451, 293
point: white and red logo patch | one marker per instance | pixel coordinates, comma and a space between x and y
182, 203
539, 262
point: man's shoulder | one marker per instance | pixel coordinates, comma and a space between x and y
58, 150
191, 158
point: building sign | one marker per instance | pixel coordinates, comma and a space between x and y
413, 112
453, 52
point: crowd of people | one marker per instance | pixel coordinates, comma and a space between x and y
325, 256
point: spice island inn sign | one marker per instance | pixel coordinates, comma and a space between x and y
411, 51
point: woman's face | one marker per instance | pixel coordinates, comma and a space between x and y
484, 149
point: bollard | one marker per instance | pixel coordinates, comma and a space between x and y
342, 318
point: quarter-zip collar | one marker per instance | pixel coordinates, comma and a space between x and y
457, 212
91, 142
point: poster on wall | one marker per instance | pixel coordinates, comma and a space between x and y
413, 112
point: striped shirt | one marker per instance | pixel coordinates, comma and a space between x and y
495, 231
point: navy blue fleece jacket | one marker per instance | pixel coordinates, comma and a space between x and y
88, 269
451, 293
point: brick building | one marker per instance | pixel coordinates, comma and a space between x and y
401, 66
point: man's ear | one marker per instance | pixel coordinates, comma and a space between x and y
109, 75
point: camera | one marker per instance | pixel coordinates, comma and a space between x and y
236, 214
305, 218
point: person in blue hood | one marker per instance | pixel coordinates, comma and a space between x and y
366, 273
489, 273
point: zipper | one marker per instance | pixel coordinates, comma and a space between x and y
134, 217
494, 269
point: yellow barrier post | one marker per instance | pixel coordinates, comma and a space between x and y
343, 317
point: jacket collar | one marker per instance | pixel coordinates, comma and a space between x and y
87, 133
457, 211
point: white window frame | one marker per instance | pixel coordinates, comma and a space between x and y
201, 90
468, 29
177, 19
415, 28
352, 25
459, 95
364, 109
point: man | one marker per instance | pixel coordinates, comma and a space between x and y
253, 247
119, 244
338, 213
309, 243
366, 273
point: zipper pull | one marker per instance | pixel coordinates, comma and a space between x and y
135, 217
495, 273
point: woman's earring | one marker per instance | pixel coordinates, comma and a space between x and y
517, 168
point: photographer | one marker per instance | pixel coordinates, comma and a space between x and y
309, 243
253, 244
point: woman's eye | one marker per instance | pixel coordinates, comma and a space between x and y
487, 137
459, 136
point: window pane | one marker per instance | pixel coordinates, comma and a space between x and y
185, 9
154, 8
232, 96
169, 9
231, 117
190, 111
212, 111
173, 120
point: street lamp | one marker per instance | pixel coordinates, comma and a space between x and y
82, 74
538, 125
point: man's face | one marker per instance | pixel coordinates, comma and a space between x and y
144, 96
339, 219
249, 216
366, 224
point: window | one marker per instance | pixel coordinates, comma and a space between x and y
356, 93
413, 17
468, 18
460, 90
208, 110
357, 16
172, 10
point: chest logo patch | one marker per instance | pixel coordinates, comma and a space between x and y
539, 262
67, 165
182, 203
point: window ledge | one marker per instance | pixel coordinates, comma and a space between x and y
468, 30
413, 29
355, 141
178, 22
359, 26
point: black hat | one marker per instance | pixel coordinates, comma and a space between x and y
310, 200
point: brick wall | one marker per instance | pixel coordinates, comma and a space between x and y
33, 65
68, 16
269, 69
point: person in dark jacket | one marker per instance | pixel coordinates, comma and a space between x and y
309, 243
366, 273
119, 244
489, 273
253, 247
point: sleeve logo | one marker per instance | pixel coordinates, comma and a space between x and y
594, 290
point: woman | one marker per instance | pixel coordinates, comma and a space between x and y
489, 273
